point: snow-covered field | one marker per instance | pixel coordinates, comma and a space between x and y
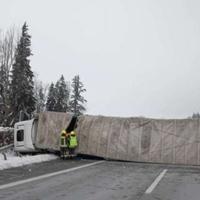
15, 161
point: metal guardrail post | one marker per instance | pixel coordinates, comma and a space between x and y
4, 155
4, 149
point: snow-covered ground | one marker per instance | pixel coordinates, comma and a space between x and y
16, 161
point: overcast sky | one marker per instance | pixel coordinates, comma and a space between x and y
135, 57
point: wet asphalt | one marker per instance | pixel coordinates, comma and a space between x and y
109, 180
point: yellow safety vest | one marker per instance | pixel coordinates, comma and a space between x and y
73, 141
63, 139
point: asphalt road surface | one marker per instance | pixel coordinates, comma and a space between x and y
100, 180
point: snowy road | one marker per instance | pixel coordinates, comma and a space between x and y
94, 180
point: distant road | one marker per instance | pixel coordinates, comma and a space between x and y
97, 180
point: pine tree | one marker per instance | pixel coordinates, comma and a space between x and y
40, 99
40, 94
62, 95
51, 100
22, 78
77, 101
196, 115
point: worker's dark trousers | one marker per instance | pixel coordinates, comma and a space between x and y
63, 151
71, 151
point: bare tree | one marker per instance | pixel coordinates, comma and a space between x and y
7, 49
7, 52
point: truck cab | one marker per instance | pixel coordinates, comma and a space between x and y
25, 135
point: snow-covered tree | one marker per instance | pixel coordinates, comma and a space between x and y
51, 98
77, 101
196, 115
40, 94
22, 78
62, 95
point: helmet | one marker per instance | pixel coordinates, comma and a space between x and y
72, 133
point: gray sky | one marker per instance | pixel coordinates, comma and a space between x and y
136, 58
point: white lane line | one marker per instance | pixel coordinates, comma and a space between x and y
47, 175
156, 181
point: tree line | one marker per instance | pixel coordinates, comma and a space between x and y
21, 93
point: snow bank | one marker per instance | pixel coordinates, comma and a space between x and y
15, 161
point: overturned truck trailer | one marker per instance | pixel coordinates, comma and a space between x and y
141, 139
128, 139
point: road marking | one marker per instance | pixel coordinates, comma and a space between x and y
156, 181
47, 175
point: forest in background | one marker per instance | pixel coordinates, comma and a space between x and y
22, 94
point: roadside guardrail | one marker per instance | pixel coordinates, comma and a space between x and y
4, 149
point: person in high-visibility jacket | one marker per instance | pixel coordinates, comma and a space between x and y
73, 142
63, 143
